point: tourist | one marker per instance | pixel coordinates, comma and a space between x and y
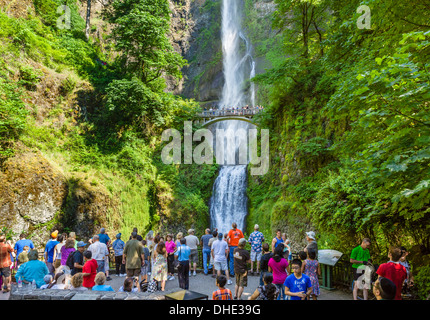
32, 270
256, 240
20, 244
99, 251
5, 263
139, 237
211, 241
131, 284
233, 237
57, 251
267, 291
312, 269
59, 281
384, 289
298, 286
277, 240
394, 271
277, 266
133, 256
159, 271
170, 248
241, 260
287, 247
267, 254
118, 250
219, 253
183, 255
179, 236
193, 243
206, 251
89, 270
100, 285
303, 256
48, 280
76, 283
150, 244
23, 256
312, 244
66, 250
404, 262
78, 258
104, 238
360, 256
72, 235
49, 252
146, 262
222, 293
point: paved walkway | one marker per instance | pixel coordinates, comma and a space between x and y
206, 285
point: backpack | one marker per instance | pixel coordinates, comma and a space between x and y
152, 286
69, 261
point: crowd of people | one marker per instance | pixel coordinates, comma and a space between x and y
246, 110
148, 263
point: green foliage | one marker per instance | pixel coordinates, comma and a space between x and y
422, 280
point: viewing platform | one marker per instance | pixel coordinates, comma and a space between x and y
211, 116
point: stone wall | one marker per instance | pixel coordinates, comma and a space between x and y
25, 293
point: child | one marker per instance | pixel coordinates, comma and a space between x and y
297, 285
222, 293
311, 268
89, 271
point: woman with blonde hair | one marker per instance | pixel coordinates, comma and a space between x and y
179, 236
100, 280
77, 281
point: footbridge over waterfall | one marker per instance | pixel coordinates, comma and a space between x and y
211, 116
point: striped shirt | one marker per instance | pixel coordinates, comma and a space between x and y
222, 294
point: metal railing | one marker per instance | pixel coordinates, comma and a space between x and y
229, 112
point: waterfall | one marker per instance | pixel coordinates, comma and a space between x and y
228, 203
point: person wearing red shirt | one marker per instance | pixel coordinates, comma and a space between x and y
5, 262
233, 237
89, 271
394, 271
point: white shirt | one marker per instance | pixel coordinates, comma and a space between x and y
219, 247
192, 241
99, 250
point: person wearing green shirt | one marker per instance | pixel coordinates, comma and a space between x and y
360, 255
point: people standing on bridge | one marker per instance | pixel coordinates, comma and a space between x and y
241, 260
233, 237
193, 243
206, 250
277, 240
219, 253
5, 263
118, 249
183, 256
256, 241
49, 252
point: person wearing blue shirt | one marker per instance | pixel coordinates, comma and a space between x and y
297, 285
32, 270
118, 248
49, 252
20, 244
183, 256
100, 280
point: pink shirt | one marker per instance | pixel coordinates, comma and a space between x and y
278, 270
170, 246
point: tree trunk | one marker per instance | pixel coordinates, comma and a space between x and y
87, 27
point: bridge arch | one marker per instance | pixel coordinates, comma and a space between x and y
206, 122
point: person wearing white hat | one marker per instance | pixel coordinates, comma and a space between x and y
312, 244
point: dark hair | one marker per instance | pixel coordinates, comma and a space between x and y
183, 241
215, 233
128, 285
265, 247
143, 242
302, 255
60, 238
297, 262
270, 287
161, 247
134, 235
221, 280
387, 288
312, 254
279, 250
88, 254
396, 253
55, 280
157, 238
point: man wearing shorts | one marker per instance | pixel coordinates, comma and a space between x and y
360, 256
133, 256
192, 241
241, 259
219, 252
256, 241
5, 263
